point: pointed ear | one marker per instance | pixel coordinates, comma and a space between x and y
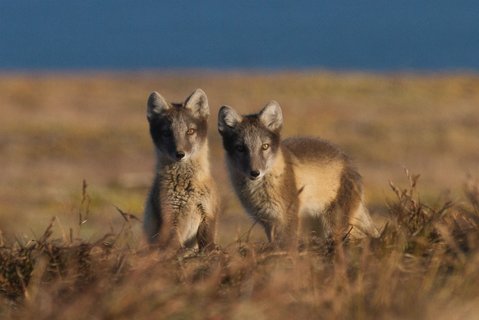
197, 103
156, 105
227, 119
271, 116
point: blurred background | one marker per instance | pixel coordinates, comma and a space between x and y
394, 83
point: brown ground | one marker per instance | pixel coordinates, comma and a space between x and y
58, 129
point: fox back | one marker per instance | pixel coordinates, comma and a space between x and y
299, 183
182, 205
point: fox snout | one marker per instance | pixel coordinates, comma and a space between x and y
180, 148
179, 152
180, 155
175, 150
252, 166
255, 169
254, 174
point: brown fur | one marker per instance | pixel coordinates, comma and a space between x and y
299, 183
182, 206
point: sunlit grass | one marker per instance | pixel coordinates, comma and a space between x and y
57, 130
424, 265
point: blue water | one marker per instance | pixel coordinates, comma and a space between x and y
377, 35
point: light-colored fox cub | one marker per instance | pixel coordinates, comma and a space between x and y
298, 183
182, 205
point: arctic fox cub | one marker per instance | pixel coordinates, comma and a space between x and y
182, 205
298, 183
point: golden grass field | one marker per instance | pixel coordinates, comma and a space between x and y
59, 130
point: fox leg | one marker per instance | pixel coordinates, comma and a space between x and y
269, 229
151, 224
206, 234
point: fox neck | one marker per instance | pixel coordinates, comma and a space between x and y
199, 160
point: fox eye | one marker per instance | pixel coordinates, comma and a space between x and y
190, 131
240, 148
265, 146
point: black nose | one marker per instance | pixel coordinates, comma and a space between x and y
180, 155
254, 173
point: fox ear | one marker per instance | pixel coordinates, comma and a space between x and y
197, 103
271, 116
227, 119
156, 105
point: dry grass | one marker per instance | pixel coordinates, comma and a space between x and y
58, 130
424, 265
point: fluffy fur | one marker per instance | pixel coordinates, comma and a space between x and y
182, 205
299, 183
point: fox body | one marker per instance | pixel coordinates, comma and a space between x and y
182, 205
297, 184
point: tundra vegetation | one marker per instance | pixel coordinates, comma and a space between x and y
77, 162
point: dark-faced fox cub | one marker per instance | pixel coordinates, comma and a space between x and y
297, 183
182, 205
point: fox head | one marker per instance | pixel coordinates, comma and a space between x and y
178, 130
251, 141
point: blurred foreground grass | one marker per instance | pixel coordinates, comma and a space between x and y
424, 266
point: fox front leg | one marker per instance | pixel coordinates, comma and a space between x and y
269, 229
206, 234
